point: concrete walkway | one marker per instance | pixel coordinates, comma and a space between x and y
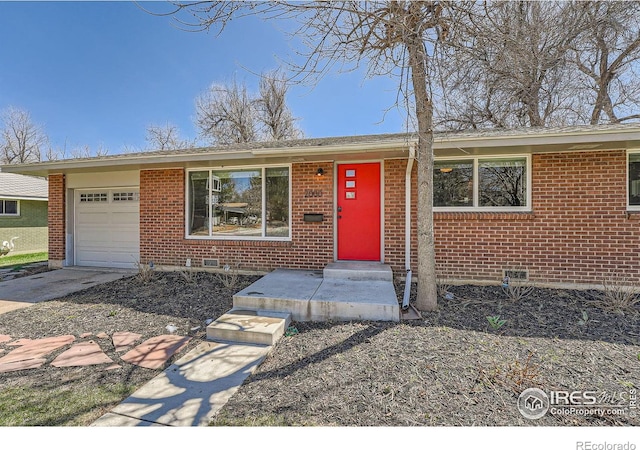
192, 390
25, 291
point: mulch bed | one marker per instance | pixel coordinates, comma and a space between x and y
450, 368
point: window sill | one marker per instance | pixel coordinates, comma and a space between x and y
242, 242
484, 215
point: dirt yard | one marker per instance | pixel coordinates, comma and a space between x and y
453, 368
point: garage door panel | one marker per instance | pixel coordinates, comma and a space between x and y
92, 218
107, 233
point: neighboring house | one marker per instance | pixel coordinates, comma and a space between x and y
560, 204
23, 212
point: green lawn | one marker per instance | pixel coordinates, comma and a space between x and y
58, 406
20, 260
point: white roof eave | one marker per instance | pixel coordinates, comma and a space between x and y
525, 140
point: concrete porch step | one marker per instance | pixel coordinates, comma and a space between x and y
308, 297
249, 326
358, 271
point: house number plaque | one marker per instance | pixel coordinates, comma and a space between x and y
310, 193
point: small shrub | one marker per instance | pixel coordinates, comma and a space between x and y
619, 293
522, 376
516, 289
145, 271
516, 376
188, 275
229, 276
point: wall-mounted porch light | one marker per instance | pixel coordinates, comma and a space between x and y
320, 172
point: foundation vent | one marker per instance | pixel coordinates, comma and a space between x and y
516, 274
210, 263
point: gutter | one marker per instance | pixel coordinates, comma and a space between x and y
407, 226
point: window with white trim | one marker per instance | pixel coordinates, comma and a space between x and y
243, 203
500, 183
9, 208
634, 181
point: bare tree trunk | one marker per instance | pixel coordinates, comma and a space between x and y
427, 298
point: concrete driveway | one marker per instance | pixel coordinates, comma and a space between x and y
25, 291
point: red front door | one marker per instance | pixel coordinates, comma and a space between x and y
359, 212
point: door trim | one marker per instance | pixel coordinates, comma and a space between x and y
335, 204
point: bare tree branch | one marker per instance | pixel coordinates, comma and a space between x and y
21, 140
272, 108
165, 137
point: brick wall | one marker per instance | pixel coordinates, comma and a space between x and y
56, 219
162, 225
394, 213
579, 228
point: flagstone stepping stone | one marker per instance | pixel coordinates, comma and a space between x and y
19, 342
113, 367
154, 352
36, 348
85, 335
21, 365
4, 338
122, 340
82, 354
102, 335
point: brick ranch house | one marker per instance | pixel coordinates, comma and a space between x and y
561, 204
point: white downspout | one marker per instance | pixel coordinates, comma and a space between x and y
407, 225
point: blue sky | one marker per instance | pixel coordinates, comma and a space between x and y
98, 73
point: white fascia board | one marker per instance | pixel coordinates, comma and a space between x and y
394, 145
15, 197
135, 160
574, 137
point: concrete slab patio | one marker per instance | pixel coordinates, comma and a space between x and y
25, 291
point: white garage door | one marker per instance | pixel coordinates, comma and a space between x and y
107, 231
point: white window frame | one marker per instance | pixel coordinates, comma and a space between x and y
17, 214
211, 236
476, 185
630, 207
